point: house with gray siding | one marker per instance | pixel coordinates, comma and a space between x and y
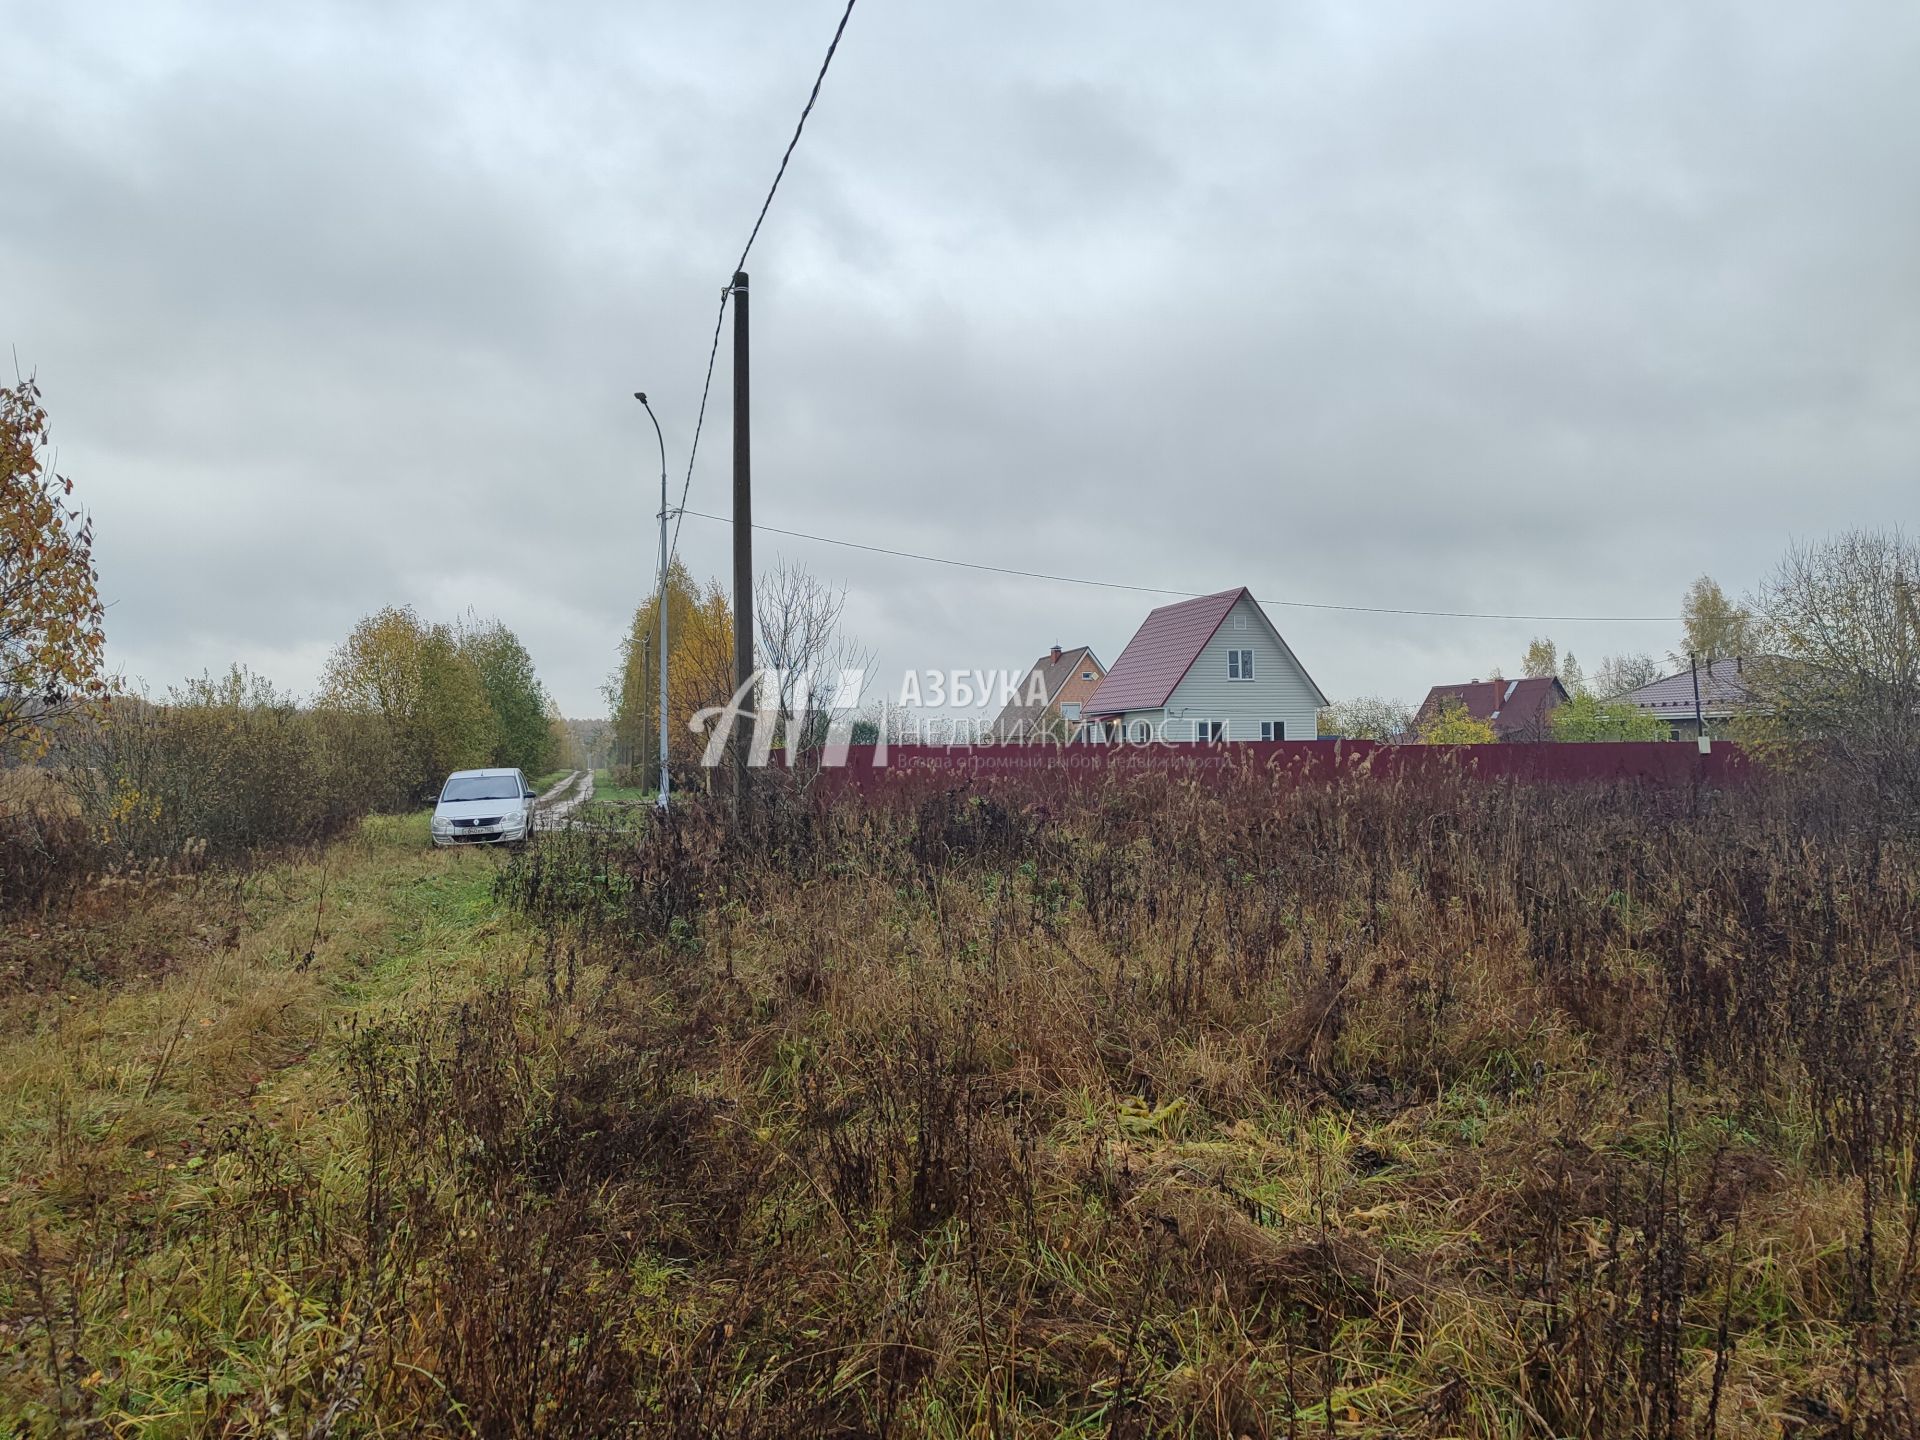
1709, 695
1213, 668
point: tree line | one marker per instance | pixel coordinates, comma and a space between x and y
219, 765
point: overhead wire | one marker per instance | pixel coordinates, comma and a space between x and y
719, 320
1180, 594
713, 350
801, 124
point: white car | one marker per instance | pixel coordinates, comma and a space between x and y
483, 807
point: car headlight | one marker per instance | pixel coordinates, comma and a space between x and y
440, 822
514, 817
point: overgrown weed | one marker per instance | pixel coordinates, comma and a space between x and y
1381, 1110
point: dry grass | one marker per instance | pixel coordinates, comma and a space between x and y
1370, 1114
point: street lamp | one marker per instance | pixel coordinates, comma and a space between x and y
661, 601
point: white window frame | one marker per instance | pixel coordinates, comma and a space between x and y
1141, 731
1086, 674
1273, 729
1205, 732
1069, 709
1239, 621
1240, 659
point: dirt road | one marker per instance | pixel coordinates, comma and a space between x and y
554, 809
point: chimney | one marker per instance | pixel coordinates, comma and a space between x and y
1056, 654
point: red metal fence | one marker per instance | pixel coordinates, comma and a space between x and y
874, 770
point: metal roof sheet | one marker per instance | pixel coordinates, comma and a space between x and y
1160, 653
1512, 707
1723, 688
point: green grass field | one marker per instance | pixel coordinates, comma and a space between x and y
605, 790
146, 1109
619, 806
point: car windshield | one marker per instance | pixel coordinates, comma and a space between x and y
481, 787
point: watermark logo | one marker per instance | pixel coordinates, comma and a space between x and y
821, 710
964, 688
816, 718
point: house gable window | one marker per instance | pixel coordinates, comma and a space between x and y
1070, 710
1273, 729
1239, 664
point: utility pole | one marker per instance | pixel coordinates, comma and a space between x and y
1699, 723
742, 551
660, 602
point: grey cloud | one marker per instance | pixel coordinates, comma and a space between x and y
1546, 308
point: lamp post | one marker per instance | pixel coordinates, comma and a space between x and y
661, 601
646, 678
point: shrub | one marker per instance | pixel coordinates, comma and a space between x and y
1586, 718
225, 766
1450, 724
46, 851
1060, 1096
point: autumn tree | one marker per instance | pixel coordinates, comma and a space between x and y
51, 620
523, 736
1371, 717
428, 694
1840, 626
456, 722
699, 671
1543, 658
1587, 718
1450, 724
1714, 627
1617, 674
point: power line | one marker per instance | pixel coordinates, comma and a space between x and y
805, 111
699, 421
1184, 594
720, 319
942, 560
706, 386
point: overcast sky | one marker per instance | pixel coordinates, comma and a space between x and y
1509, 307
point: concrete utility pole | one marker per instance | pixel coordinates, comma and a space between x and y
660, 603
742, 550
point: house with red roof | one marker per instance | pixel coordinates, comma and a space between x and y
1212, 668
1051, 695
1516, 709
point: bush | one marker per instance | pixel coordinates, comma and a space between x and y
45, 849
224, 767
1585, 718
1450, 724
